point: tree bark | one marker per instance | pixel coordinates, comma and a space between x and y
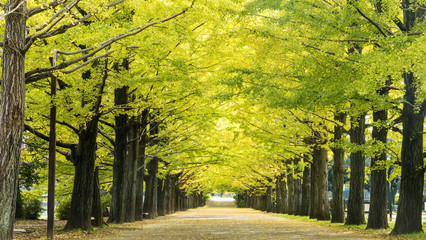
170, 194
278, 195
291, 198
338, 202
306, 191
162, 198
409, 216
97, 207
298, 196
141, 166
356, 188
284, 192
377, 217
84, 158
151, 193
12, 111
323, 212
269, 199
84, 164
119, 190
167, 194
313, 214
132, 167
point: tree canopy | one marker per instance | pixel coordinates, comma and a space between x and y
235, 95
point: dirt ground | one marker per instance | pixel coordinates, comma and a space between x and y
221, 220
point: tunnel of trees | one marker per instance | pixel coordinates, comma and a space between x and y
160, 103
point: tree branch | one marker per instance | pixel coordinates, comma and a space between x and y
329, 53
399, 23
373, 22
46, 138
47, 33
100, 47
106, 136
45, 7
7, 11
74, 129
323, 118
67, 155
107, 123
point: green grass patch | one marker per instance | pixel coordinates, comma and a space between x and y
359, 229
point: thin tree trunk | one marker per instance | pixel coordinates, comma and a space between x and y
338, 202
11, 111
306, 191
298, 196
323, 212
356, 188
284, 192
269, 199
278, 195
291, 198
132, 167
167, 194
297, 188
141, 166
313, 214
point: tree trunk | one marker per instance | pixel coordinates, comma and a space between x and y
11, 111
151, 193
313, 214
170, 194
84, 164
377, 217
409, 217
167, 195
269, 199
356, 188
323, 212
291, 199
298, 196
119, 190
338, 202
161, 209
141, 166
306, 191
392, 189
174, 192
132, 167
97, 207
278, 195
284, 193
84, 158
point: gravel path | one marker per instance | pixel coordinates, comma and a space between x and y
221, 220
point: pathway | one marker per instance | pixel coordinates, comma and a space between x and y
221, 220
